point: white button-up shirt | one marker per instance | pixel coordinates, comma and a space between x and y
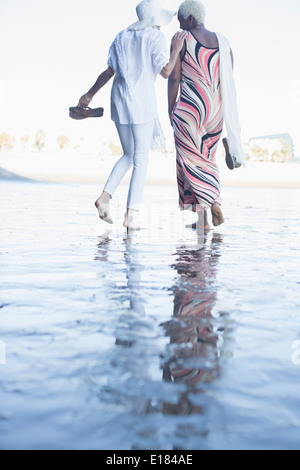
136, 57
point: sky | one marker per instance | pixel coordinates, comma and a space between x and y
52, 52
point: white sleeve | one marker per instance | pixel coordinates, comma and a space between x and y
112, 61
160, 56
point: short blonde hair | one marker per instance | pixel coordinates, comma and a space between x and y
193, 8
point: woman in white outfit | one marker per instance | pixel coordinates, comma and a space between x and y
137, 55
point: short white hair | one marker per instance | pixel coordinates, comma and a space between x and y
193, 8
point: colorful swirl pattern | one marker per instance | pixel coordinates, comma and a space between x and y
198, 125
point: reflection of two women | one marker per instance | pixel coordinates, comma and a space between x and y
192, 357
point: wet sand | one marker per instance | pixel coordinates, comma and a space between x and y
142, 341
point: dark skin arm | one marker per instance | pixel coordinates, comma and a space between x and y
173, 86
177, 43
102, 80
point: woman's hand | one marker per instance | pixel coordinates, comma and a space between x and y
176, 46
178, 40
171, 116
84, 101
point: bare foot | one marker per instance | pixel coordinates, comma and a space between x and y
102, 205
194, 226
206, 226
129, 222
217, 215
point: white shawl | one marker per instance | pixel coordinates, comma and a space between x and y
229, 100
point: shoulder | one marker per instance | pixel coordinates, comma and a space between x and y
223, 39
154, 34
157, 32
188, 36
120, 35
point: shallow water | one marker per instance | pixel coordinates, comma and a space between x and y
144, 342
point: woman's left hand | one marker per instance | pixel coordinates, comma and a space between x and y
178, 40
171, 115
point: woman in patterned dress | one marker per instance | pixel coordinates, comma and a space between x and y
197, 117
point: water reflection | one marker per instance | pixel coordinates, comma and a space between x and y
133, 269
103, 247
133, 275
195, 331
123, 270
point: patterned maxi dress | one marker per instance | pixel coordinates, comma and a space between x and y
198, 124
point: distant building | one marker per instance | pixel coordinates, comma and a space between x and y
277, 148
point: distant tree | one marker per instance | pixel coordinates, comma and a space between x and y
63, 141
40, 140
259, 153
285, 154
24, 141
286, 150
7, 141
115, 149
276, 156
266, 155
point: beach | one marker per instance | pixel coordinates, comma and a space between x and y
143, 341
71, 167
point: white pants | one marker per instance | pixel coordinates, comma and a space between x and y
135, 140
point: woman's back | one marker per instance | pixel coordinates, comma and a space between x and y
133, 51
207, 38
201, 65
136, 57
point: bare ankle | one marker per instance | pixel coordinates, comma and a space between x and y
129, 222
104, 198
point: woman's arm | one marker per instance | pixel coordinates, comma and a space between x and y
101, 81
173, 85
177, 44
